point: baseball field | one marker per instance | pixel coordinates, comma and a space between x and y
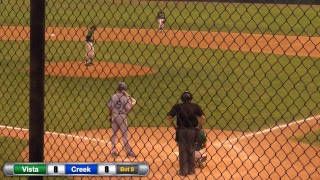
253, 68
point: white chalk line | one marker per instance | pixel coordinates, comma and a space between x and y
229, 142
76, 137
82, 138
58, 134
224, 143
276, 127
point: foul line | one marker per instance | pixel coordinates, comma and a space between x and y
229, 142
268, 130
226, 142
58, 134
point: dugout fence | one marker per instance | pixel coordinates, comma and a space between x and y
252, 67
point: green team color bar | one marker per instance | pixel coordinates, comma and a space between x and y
25, 169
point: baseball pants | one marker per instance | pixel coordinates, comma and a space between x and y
200, 154
187, 147
89, 51
119, 121
161, 24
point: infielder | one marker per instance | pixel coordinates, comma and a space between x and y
161, 18
120, 104
187, 121
89, 46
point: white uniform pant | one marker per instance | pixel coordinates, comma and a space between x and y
161, 24
200, 154
119, 122
89, 51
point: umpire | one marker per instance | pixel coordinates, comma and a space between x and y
187, 124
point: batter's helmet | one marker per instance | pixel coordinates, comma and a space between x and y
122, 86
186, 96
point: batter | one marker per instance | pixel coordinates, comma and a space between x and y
119, 106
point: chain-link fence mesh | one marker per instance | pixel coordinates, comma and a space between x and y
252, 67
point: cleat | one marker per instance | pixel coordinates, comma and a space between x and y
203, 159
131, 154
114, 154
201, 165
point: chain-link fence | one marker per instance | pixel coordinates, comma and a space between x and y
253, 69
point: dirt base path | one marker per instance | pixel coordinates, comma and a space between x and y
232, 155
268, 154
276, 44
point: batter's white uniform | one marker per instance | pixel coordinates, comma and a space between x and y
120, 106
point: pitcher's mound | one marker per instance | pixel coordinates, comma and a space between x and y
97, 70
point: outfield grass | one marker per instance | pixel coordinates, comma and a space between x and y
313, 138
241, 91
238, 91
224, 17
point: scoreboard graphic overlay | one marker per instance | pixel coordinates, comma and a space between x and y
76, 169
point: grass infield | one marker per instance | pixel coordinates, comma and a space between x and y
238, 91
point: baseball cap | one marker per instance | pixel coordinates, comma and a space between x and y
122, 86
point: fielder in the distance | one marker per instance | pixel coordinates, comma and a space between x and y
120, 104
161, 18
89, 46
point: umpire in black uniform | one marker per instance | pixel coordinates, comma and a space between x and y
187, 122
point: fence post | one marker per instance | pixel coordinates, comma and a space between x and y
37, 59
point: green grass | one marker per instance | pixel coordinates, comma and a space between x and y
11, 143
8, 143
313, 138
11, 149
199, 16
238, 91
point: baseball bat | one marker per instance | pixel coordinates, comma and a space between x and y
140, 106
